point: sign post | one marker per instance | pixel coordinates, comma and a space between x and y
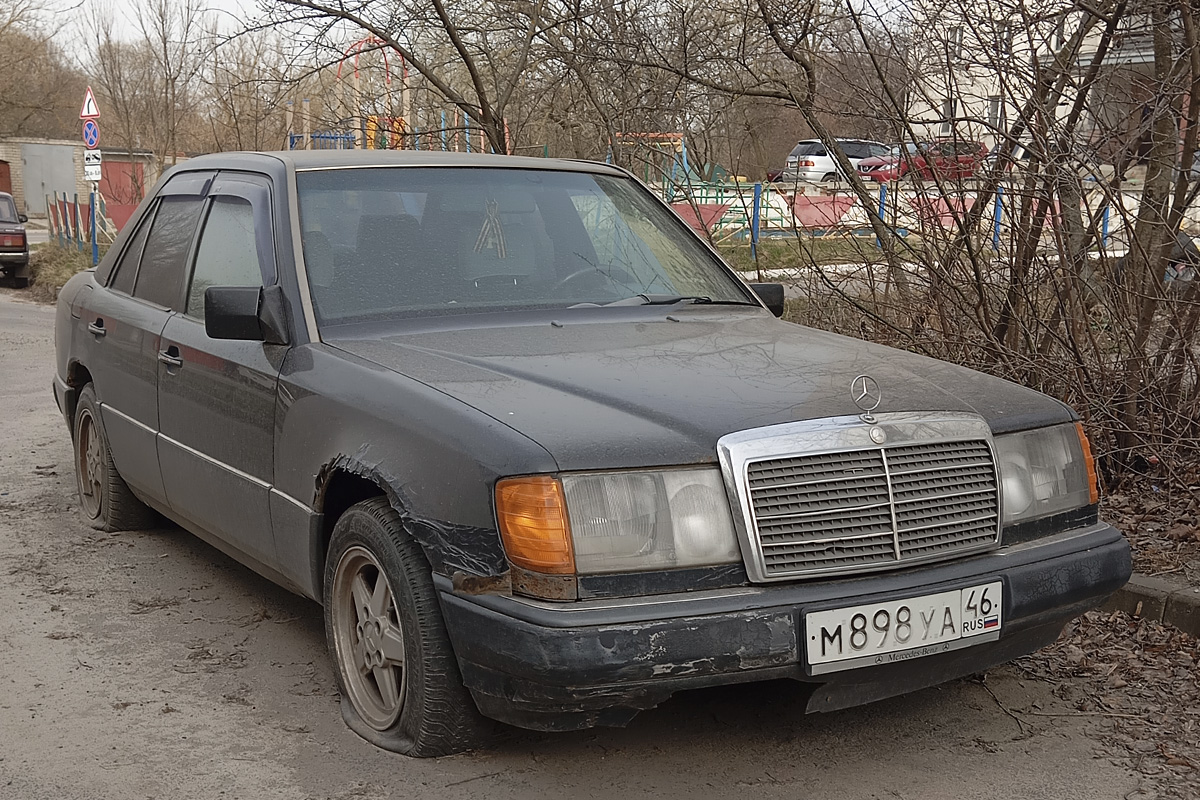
92, 159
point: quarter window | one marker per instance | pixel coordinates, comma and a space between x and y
127, 269
160, 278
227, 254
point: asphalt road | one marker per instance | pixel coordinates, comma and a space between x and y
138, 665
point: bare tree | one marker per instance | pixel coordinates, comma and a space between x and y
39, 91
472, 55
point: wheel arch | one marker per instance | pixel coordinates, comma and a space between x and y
78, 376
449, 547
340, 486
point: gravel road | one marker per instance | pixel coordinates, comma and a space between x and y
148, 665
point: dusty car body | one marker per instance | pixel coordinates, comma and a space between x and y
545, 459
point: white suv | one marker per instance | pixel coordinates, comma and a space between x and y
810, 162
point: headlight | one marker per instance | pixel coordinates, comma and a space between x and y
619, 521
1045, 471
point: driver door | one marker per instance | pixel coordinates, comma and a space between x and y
216, 398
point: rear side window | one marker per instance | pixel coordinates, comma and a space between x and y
8, 210
128, 266
160, 278
227, 254
809, 149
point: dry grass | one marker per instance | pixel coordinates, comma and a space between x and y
52, 266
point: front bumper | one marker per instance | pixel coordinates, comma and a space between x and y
553, 666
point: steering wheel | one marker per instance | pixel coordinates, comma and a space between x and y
613, 275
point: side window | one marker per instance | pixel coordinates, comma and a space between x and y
128, 267
160, 279
227, 254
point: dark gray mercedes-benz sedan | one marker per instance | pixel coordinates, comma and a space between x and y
545, 459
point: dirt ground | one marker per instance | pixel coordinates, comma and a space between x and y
148, 665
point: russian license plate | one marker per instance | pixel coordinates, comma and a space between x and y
898, 630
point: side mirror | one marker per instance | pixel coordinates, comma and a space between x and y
772, 296
21, 218
247, 313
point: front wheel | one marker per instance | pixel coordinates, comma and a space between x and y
400, 684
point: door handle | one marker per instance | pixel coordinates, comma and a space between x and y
170, 357
97, 327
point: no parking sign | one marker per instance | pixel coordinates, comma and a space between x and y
91, 134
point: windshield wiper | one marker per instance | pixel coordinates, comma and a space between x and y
675, 299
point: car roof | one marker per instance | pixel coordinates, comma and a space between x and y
303, 160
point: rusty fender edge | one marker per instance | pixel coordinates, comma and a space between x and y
565, 666
449, 548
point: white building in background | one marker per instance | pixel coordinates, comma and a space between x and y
973, 64
974, 67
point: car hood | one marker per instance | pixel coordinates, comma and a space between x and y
652, 391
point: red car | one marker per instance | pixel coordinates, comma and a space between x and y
947, 158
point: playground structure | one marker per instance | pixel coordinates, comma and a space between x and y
736, 212
663, 158
397, 126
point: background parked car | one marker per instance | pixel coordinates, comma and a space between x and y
1018, 161
946, 158
14, 245
811, 162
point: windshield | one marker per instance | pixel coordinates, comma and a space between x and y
8, 210
898, 149
394, 242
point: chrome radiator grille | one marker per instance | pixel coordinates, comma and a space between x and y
873, 508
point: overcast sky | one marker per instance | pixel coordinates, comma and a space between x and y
228, 13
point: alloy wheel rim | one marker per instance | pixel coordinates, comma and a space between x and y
90, 466
368, 638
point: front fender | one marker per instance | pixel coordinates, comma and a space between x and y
436, 458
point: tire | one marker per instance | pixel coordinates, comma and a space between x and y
830, 177
104, 498
399, 680
20, 282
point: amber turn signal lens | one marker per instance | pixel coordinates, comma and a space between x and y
1093, 482
533, 524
